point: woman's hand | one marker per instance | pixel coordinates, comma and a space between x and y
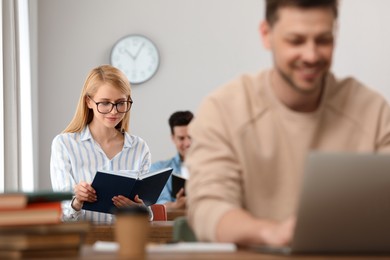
83, 192
121, 201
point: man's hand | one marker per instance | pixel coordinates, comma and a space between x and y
277, 233
238, 226
180, 202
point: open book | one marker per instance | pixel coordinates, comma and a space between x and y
178, 182
129, 184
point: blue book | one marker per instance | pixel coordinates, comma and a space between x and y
129, 184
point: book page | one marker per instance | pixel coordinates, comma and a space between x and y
125, 173
184, 172
193, 247
104, 246
149, 174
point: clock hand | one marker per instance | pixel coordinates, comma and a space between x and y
128, 52
139, 50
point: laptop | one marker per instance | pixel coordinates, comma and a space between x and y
344, 205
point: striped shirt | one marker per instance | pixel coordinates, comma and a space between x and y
76, 157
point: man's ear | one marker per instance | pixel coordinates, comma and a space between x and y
265, 31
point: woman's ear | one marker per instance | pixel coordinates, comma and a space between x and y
265, 31
88, 101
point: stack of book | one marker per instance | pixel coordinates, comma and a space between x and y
31, 208
31, 226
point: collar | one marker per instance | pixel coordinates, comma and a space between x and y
86, 135
177, 159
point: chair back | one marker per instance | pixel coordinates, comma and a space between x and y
159, 212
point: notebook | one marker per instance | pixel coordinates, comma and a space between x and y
344, 205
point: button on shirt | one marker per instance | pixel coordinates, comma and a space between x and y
76, 157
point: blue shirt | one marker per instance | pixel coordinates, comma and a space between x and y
76, 157
175, 163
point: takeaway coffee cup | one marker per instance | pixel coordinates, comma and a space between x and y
132, 231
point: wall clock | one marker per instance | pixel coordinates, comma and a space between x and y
137, 56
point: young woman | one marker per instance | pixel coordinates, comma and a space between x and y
97, 139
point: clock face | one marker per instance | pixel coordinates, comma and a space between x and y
137, 57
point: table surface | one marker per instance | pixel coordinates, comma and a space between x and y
87, 252
160, 232
174, 213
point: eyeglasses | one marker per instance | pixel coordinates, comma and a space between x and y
106, 107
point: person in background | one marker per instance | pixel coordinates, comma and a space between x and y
178, 123
250, 138
97, 138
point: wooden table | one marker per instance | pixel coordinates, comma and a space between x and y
160, 232
88, 253
174, 213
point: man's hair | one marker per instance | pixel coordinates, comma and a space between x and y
272, 7
180, 118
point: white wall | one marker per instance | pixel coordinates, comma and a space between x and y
202, 43
363, 47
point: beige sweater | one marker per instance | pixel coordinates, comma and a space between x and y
248, 148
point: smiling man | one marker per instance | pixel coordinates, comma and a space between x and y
250, 138
302, 54
178, 123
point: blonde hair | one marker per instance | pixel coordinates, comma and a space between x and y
105, 74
